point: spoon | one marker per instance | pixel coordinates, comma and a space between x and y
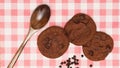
38, 19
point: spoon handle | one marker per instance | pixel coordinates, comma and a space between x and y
17, 54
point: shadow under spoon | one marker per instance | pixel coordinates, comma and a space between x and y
38, 19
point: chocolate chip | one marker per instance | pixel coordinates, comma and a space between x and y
77, 60
62, 63
76, 21
76, 63
101, 46
47, 43
47, 46
98, 37
74, 56
91, 53
68, 64
82, 16
108, 48
60, 66
91, 65
82, 55
70, 61
61, 46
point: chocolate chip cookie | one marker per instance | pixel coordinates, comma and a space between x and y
98, 47
80, 29
53, 42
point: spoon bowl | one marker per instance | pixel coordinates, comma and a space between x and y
38, 19
40, 16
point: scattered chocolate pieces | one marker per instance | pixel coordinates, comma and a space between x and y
69, 62
79, 30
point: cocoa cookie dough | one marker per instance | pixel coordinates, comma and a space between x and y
98, 47
80, 29
53, 42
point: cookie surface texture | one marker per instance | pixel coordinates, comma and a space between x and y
99, 47
80, 29
53, 42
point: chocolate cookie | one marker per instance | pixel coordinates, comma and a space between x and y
80, 29
98, 47
53, 42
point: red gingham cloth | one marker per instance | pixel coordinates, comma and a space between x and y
14, 24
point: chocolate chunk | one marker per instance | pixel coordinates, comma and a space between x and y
62, 63
77, 60
76, 63
91, 53
91, 65
72, 62
61, 46
76, 21
82, 16
74, 56
82, 55
108, 48
68, 60
60, 66
47, 46
46, 42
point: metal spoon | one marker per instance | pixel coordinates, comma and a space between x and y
38, 19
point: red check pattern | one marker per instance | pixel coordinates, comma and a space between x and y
14, 24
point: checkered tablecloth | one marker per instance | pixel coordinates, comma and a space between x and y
14, 25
